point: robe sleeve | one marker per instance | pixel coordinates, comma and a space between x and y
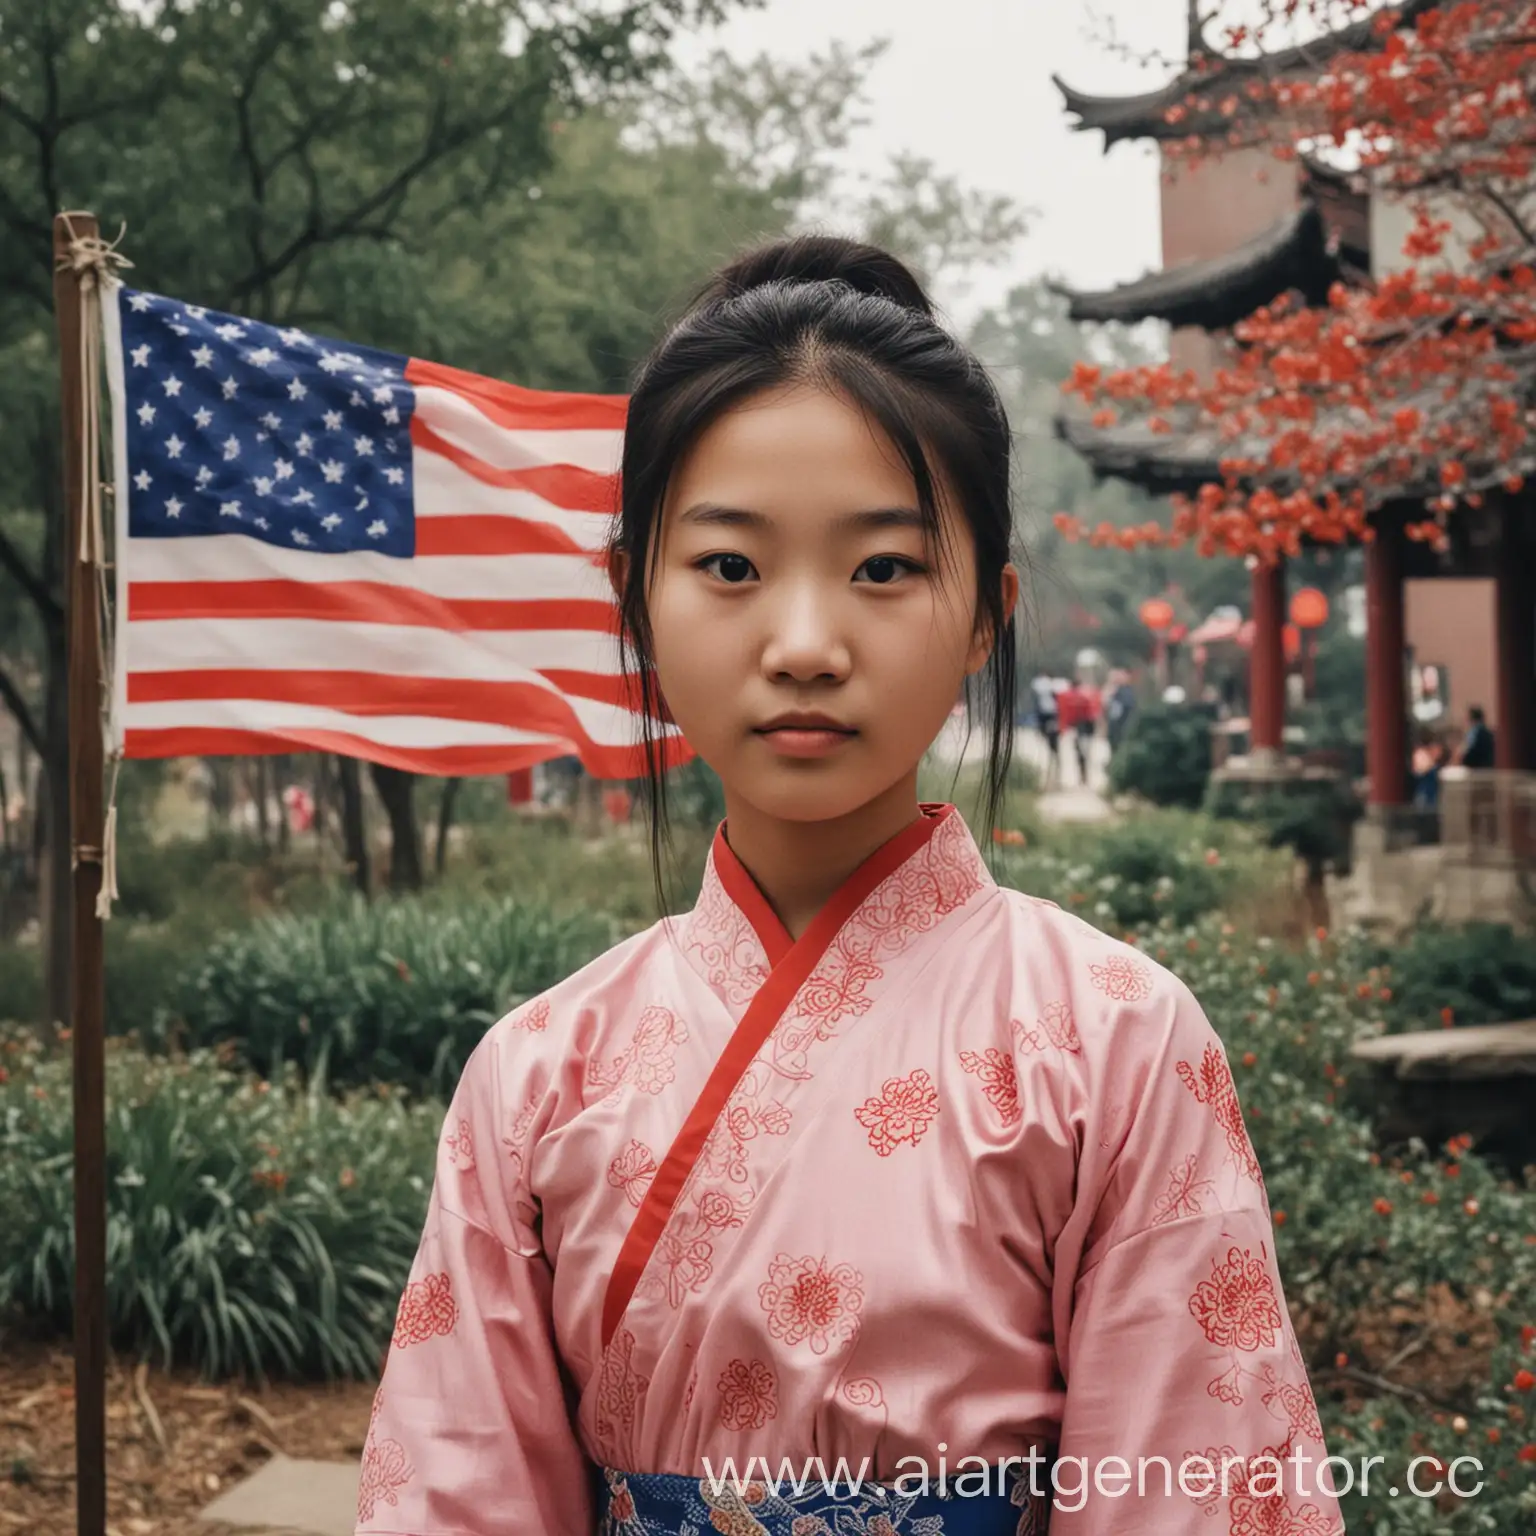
1179, 1345
472, 1431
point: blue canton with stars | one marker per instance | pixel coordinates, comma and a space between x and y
239, 427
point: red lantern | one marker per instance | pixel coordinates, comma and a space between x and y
1157, 613
1309, 609
1290, 638
1178, 634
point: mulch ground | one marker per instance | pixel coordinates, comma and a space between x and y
174, 1443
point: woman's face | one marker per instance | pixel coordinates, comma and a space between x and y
791, 576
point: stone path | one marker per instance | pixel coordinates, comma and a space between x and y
289, 1497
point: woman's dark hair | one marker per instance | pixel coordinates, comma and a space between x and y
850, 318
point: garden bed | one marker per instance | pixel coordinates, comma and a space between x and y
174, 1442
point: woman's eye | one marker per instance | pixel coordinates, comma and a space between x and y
885, 569
732, 568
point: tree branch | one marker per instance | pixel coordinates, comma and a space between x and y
24, 717
263, 56
439, 143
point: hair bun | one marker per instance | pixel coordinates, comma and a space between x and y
815, 259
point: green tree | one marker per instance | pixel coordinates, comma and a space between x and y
294, 160
1080, 595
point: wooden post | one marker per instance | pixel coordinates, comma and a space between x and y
1514, 742
1266, 704
87, 821
1386, 702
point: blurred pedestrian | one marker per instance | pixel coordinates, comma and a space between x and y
1076, 713
1048, 720
1119, 706
1477, 747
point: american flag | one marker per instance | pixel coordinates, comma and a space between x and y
326, 547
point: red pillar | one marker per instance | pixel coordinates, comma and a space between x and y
1266, 662
1515, 648
1386, 695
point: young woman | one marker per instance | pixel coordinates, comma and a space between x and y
865, 1167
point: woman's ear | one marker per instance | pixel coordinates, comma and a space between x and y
981, 648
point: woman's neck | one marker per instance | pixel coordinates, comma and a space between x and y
798, 865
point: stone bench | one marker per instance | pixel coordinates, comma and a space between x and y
1440, 1083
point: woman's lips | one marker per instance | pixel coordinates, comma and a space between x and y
805, 740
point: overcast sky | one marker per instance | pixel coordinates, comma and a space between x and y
967, 84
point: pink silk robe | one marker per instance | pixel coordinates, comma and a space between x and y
985, 1181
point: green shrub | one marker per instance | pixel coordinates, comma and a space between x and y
142, 962
396, 991
1165, 757
695, 796
1484, 973
21, 982
1312, 817
1361, 1238
1156, 867
251, 1229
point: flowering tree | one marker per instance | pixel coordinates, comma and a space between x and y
1417, 385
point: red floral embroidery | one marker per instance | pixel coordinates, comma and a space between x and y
864, 1392
1228, 1475
632, 1171
427, 1311
648, 1062
724, 942
1213, 1085
1122, 978
693, 1386
1228, 1387
461, 1148
1300, 1408
718, 1211
903, 1110
1237, 1306
618, 1389
749, 1395
385, 1470
516, 1142
1056, 1024
683, 1260
748, 1114
534, 1017
941, 876
808, 1525
1182, 1197
999, 1080
807, 1301
1271, 1513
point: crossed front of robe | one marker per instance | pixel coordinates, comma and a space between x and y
952, 1178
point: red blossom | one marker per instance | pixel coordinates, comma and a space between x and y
1413, 386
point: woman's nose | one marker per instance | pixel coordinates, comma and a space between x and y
806, 636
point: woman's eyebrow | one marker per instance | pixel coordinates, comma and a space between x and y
714, 514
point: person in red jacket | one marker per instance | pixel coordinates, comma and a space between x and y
1078, 717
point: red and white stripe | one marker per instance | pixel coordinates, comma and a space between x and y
493, 649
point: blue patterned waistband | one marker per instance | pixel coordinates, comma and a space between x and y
662, 1504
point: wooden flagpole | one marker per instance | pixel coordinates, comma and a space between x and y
87, 833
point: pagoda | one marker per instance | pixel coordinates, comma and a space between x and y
1239, 231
